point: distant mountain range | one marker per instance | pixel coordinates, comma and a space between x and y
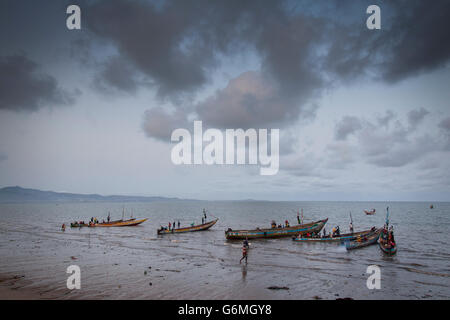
18, 194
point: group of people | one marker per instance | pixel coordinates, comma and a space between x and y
172, 226
274, 225
387, 235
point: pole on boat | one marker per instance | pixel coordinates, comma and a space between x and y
387, 216
351, 221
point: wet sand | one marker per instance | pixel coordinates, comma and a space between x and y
11, 288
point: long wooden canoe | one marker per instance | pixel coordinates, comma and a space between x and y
79, 225
341, 238
364, 241
370, 212
276, 232
200, 227
119, 223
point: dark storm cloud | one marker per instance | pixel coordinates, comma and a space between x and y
24, 87
347, 126
415, 117
303, 47
119, 74
174, 43
418, 40
413, 39
445, 124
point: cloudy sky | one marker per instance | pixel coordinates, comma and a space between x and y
363, 114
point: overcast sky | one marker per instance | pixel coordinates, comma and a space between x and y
363, 114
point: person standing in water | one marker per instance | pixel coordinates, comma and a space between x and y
244, 254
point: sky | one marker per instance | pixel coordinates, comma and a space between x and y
364, 115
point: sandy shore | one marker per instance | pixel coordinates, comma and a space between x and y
13, 287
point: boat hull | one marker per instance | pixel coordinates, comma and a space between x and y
387, 249
276, 232
371, 239
127, 223
201, 227
78, 225
342, 238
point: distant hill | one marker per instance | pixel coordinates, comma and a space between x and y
18, 194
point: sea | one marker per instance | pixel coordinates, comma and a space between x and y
136, 263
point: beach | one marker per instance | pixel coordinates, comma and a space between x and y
136, 263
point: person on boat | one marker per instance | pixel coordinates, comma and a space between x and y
63, 227
109, 217
173, 226
351, 227
324, 233
287, 224
204, 213
273, 224
338, 231
298, 217
203, 220
170, 225
178, 224
244, 254
192, 224
391, 240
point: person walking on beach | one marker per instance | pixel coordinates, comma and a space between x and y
244, 254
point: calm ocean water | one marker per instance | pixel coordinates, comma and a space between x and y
135, 263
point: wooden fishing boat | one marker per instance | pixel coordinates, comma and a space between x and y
313, 227
341, 238
387, 248
78, 225
119, 223
363, 241
370, 212
200, 227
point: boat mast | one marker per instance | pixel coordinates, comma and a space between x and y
387, 216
